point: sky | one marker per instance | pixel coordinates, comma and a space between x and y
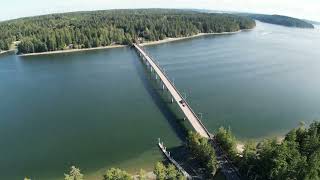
304, 9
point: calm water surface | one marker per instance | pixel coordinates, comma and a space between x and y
99, 109
261, 82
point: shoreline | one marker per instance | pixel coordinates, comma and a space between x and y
13, 47
7, 51
149, 43
240, 144
120, 46
71, 50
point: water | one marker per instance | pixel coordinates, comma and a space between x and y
92, 109
99, 109
259, 83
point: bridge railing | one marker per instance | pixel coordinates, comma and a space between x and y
194, 114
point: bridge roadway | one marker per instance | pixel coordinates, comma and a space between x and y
186, 109
228, 169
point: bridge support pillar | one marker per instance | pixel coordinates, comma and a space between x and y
156, 76
184, 118
171, 100
162, 86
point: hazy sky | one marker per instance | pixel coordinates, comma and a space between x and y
309, 9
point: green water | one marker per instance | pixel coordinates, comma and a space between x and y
100, 109
93, 109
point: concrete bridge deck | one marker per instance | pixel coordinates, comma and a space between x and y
183, 105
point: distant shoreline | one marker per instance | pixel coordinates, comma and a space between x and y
120, 46
187, 37
12, 48
71, 50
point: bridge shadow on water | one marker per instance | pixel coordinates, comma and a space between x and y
178, 125
161, 100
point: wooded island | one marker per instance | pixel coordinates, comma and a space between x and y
79, 30
282, 20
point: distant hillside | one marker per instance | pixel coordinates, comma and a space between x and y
272, 19
282, 20
312, 22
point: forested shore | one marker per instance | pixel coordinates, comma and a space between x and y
79, 30
144, 43
297, 156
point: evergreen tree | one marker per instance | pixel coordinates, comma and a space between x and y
116, 174
74, 174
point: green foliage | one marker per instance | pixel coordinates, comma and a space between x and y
296, 157
74, 174
167, 173
171, 172
101, 28
142, 175
227, 141
203, 152
6, 43
160, 171
116, 174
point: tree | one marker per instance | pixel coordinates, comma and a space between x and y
227, 141
51, 43
171, 172
142, 175
212, 165
2, 46
74, 174
26, 46
247, 163
116, 174
160, 171
167, 173
313, 169
203, 152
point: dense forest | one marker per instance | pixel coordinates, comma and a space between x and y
102, 28
297, 156
282, 20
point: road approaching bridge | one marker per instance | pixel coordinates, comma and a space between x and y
182, 103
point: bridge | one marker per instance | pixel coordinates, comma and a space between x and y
230, 172
167, 84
